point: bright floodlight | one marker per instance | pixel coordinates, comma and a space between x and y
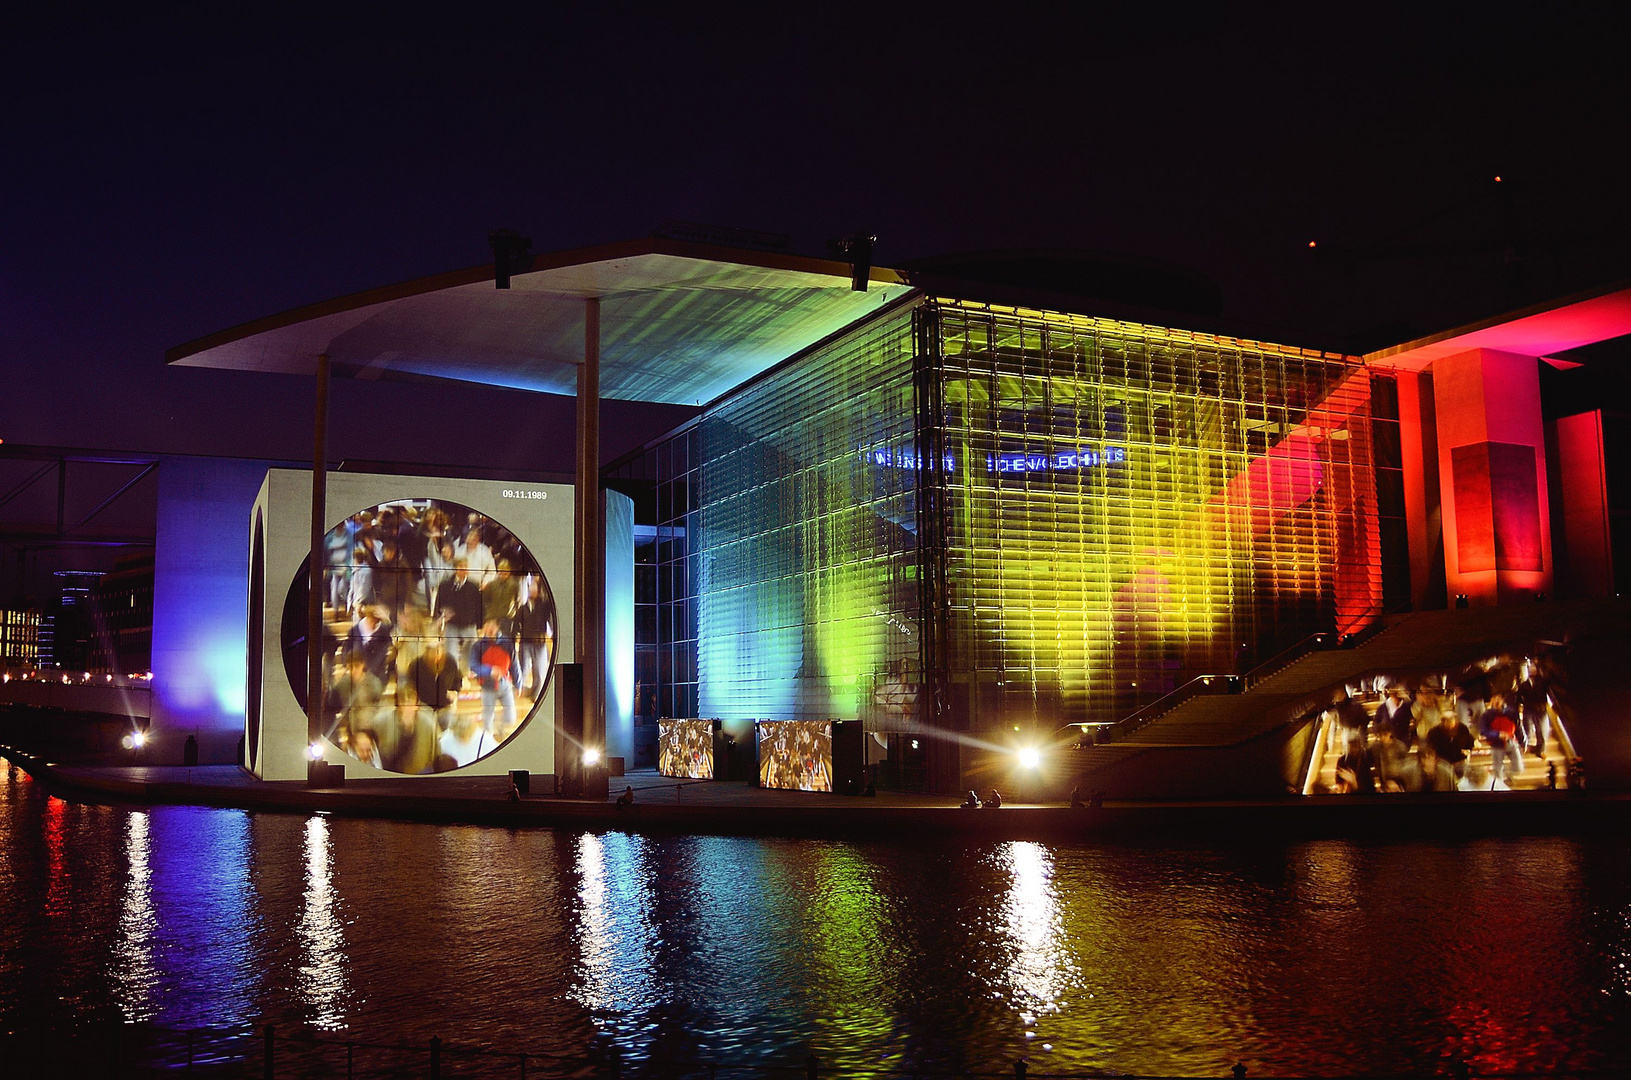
1030, 757
315, 751
137, 739
591, 757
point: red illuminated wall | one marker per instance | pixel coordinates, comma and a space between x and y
1583, 489
1492, 475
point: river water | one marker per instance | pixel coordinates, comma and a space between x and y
1328, 957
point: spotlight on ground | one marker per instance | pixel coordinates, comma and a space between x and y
591, 758
1030, 757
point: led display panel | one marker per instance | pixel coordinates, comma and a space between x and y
795, 755
685, 748
439, 633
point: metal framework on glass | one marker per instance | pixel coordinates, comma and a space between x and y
979, 518
1130, 505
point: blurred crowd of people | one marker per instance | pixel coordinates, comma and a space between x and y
440, 633
686, 748
1479, 733
795, 754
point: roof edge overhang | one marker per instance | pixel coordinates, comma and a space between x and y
649, 245
1538, 330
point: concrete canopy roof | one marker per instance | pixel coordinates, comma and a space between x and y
681, 323
1542, 331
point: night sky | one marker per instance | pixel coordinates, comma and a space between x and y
170, 174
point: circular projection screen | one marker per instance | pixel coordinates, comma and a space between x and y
438, 636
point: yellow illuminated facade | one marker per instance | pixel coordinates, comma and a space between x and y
976, 518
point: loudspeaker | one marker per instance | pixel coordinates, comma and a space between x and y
569, 729
848, 756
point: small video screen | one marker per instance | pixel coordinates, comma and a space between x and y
685, 748
795, 755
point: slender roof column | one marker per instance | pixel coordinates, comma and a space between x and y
589, 638
315, 690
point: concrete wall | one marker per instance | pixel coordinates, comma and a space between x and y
200, 605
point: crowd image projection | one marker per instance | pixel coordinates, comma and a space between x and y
795, 754
686, 748
438, 640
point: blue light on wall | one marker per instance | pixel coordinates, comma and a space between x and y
201, 604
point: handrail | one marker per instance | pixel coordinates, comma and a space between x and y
1310, 644
1173, 698
1322, 641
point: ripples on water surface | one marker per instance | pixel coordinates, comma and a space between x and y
1323, 957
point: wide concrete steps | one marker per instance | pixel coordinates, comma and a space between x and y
1412, 644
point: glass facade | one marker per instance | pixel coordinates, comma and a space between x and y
982, 516
1128, 506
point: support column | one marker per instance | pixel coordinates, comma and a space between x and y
1418, 453
589, 597
1492, 476
314, 577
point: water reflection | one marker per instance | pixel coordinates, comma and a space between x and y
203, 925
134, 973
1039, 968
616, 939
321, 982
1172, 959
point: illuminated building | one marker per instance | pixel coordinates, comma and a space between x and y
971, 516
19, 637
986, 517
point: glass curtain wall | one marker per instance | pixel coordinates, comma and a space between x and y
1126, 507
805, 540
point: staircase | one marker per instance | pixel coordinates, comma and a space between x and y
1412, 644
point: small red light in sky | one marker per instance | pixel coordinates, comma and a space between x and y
1497, 179
1311, 243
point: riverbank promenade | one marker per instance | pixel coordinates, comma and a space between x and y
665, 805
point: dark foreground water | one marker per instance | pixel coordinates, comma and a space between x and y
1325, 957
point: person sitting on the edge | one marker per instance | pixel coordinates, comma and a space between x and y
971, 801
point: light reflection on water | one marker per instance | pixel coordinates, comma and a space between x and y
1329, 958
133, 972
1039, 966
322, 983
615, 935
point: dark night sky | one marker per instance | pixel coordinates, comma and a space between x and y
167, 175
